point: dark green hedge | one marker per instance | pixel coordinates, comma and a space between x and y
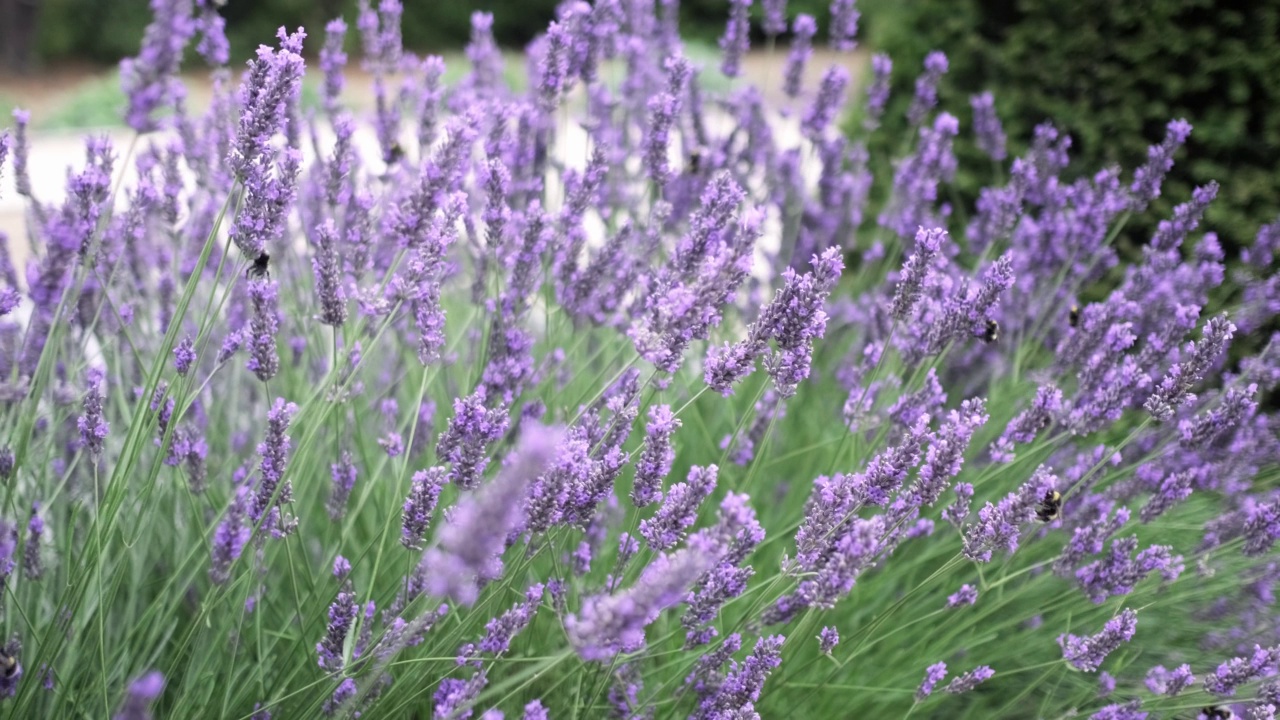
1112, 74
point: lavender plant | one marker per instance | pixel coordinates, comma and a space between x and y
471, 426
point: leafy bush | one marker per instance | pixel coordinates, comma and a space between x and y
596, 397
1110, 75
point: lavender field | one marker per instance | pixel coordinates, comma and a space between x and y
620, 389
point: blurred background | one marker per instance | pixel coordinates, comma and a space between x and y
1109, 73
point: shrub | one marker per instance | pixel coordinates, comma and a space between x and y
1110, 75
594, 397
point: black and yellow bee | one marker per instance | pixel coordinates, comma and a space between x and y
1213, 712
1050, 507
1073, 317
259, 267
990, 332
394, 154
695, 161
9, 666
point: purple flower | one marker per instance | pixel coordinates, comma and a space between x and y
32, 566
970, 680
471, 542
345, 691
827, 105
1240, 670
499, 631
421, 503
333, 59
741, 687
1024, 427
270, 88
844, 25
1106, 684
1087, 653
230, 537
184, 354
327, 269
917, 176
827, 640
150, 80
998, 525
465, 442
663, 109
878, 90
679, 509
735, 535
535, 711
775, 17
264, 324
142, 692
273, 493
1169, 682
656, 456
966, 595
1130, 710
935, 66
454, 696
1148, 178
1119, 573
609, 624
341, 567
932, 676
804, 28
915, 271
737, 37
342, 613
93, 423
1175, 389
343, 474
986, 126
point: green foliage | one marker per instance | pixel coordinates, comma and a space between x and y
1112, 75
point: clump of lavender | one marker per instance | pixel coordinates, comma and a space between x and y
1087, 652
465, 442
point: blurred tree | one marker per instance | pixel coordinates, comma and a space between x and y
18, 23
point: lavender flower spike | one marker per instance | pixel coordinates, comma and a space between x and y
926, 97
915, 270
1148, 178
741, 688
150, 80
680, 509
1175, 389
420, 504
878, 90
932, 676
142, 692
1240, 670
656, 456
804, 27
844, 25
93, 425
1087, 653
986, 125
609, 624
328, 273
775, 17
737, 37
827, 105
465, 442
471, 542
970, 680
828, 638
230, 537
263, 360
272, 493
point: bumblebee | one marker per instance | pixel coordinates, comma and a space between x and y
990, 332
695, 161
394, 154
1073, 316
1050, 507
1213, 712
9, 666
259, 267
